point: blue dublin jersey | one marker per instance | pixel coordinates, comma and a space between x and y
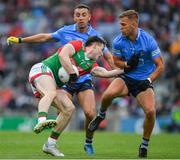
144, 45
69, 33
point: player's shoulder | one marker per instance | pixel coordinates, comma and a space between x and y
77, 44
146, 35
118, 40
68, 27
92, 31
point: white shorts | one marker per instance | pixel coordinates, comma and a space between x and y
37, 71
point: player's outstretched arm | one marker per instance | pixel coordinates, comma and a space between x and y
103, 73
42, 37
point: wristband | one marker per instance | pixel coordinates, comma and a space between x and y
125, 64
149, 79
20, 40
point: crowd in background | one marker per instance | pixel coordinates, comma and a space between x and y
27, 17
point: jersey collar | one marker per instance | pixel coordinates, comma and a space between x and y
138, 35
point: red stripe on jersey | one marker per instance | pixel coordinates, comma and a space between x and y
77, 44
94, 65
83, 72
59, 50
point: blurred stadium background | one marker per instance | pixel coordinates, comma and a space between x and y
27, 17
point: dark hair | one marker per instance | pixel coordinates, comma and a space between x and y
131, 14
93, 39
82, 6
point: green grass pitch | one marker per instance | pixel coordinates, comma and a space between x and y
107, 145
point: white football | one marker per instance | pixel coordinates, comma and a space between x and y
63, 74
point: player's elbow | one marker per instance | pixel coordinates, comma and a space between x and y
161, 65
161, 68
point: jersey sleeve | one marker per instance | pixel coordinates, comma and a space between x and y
154, 49
77, 44
116, 50
94, 65
57, 35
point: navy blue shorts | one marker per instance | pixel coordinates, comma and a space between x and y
135, 86
78, 87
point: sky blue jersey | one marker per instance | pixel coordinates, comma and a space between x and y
69, 33
144, 45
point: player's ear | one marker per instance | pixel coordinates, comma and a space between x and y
74, 17
89, 17
94, 45
134, 23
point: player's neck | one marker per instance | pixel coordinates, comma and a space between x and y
82, 30
133, 36
88, 53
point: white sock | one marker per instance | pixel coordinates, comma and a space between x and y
41, 119
51, 141
144, 143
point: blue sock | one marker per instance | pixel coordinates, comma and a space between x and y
144, 143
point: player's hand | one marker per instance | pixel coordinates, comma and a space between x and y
13, 39
73, 78
134, 60
132, 63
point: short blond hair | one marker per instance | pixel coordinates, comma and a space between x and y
131, 14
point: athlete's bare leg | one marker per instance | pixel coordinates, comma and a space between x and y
147, 101
87, 102
117, 88
46, 86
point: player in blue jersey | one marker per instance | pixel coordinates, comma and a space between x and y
81, 30
138, 53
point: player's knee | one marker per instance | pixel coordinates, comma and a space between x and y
90, 114
150, 113
70, 109
107, 96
